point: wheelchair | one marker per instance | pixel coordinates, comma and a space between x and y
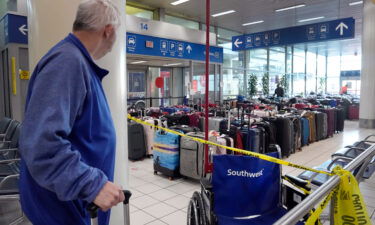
252, 193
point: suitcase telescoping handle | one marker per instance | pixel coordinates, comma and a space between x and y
93, 210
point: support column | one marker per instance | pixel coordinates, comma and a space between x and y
367, 108
49, 22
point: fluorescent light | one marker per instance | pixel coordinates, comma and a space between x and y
138, 62
223, 13
356, 3
291, 7
252, 23
311, 19
173, 64
179, 2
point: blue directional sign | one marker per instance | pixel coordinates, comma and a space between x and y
330, 30
136, 44
15, 29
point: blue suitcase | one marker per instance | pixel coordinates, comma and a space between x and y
166, 151
253, 140
305, 131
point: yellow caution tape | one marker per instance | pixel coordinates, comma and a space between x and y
244, 152
349, 205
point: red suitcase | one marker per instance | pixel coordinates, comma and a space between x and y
354, 112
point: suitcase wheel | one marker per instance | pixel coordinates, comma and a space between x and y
155, 172
170, 178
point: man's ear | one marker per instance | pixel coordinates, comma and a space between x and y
108, 30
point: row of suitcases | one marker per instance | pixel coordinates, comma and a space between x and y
290, 132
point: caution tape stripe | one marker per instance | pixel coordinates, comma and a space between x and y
244, 152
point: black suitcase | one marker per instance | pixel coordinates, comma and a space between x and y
285, 135
320, 123
340, 119
137, 142
177, 119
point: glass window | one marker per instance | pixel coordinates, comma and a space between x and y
321, 73
226, 34
276, 67
182, 22
311, 63
199, 81
138, 12
233, 83
299, 71
257, 65
333, 74
288, 75
232, 59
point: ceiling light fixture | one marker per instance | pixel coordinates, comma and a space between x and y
138, 62
311, 19
179, 2
173, 64
223, 13
252, 23
356, 3
291, 7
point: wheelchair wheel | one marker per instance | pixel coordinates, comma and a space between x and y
192, 214
201, 212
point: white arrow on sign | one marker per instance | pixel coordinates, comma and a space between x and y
341, 26
189, 48
23, 29
238, 42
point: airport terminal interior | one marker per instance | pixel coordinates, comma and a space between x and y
200, 116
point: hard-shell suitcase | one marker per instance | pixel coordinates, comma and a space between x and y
192, 156
353, 113
305, 131
137, 141
340, 119
331, 114
285, 135
166, 151
253, 139
213, 123
150, 132
311, 117
320, 123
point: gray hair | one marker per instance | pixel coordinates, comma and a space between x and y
93, 15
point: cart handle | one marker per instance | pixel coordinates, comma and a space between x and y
92, 208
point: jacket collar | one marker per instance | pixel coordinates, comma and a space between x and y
100, 72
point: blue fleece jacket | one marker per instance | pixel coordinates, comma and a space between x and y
67, 141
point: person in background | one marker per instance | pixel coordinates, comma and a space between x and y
344, 90
68, 140
279, 92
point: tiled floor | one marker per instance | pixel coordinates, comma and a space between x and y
159, 201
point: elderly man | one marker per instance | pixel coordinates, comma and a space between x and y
67, 141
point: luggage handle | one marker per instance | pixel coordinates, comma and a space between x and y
92, 208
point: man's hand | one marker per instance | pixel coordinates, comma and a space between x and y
109, 196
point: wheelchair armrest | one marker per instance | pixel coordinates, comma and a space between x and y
298, 182
206, 184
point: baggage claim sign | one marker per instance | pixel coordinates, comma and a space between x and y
325, 31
